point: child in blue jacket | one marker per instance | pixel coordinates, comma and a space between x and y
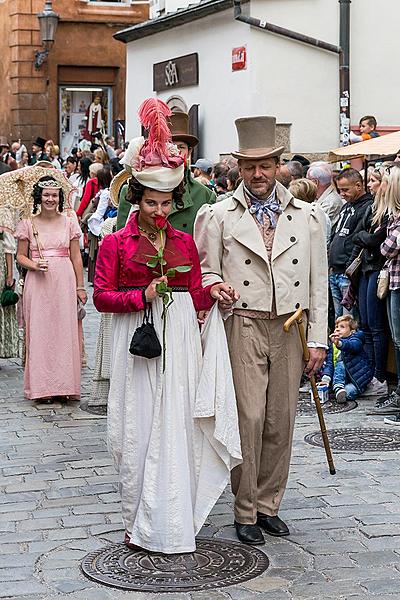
347, 365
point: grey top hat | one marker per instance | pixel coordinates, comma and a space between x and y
257, 138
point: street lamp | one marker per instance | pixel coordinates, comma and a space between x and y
48, 21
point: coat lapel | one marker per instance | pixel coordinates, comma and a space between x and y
285, 234
245, 230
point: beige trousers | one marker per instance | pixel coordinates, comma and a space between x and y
267, 365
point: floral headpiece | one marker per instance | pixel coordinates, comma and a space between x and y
50, 183
155, 162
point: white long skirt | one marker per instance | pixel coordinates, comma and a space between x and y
170, 472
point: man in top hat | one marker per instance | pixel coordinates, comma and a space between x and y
271, 247
196, 194
38, 152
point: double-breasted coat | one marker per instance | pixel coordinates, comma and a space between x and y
231, 249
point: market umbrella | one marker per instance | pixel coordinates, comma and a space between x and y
16, 188
385, 145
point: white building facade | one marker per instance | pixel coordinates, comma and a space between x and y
295, 82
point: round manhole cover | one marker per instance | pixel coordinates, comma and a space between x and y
306, 406
214, 564
366, 439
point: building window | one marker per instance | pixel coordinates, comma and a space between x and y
77, 121
111, 1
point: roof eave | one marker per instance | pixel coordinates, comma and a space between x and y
180, 17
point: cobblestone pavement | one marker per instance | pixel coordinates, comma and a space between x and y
59, 500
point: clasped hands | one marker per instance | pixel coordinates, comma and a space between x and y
223, 292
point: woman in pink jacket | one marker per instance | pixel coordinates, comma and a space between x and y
153, 435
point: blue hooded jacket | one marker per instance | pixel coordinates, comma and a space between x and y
356, 362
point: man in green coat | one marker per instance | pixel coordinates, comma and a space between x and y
196, 194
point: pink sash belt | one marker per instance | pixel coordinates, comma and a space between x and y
55, 252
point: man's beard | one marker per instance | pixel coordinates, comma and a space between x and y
270, 186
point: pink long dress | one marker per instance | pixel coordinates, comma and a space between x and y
53, 361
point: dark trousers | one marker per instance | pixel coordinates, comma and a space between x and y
373, 322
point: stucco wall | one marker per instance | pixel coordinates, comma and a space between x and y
221, 94
281, 79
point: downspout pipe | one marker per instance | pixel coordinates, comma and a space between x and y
343, 50
288, 33
344, 71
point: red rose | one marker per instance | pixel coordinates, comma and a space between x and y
160, 222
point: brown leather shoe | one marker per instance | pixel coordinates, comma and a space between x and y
272, 525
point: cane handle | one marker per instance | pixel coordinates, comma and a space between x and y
295, 317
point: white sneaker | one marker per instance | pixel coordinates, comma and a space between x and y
376, 388
306, 387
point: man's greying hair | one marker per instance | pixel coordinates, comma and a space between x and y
351, 175
321, 171
295, 168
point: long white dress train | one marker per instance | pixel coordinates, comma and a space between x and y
174, 435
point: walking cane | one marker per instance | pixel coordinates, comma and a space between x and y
297, 318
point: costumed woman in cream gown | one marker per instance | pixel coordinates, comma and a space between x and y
172, 420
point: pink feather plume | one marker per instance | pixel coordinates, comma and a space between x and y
153, 115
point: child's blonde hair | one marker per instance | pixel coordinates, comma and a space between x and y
348, 319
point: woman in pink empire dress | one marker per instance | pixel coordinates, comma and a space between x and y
53, 284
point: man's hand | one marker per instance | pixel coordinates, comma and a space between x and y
317, 357
225, 295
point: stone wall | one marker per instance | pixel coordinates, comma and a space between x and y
84, 38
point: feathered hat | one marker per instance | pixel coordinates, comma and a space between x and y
155, 162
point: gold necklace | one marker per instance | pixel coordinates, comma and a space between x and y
152, 235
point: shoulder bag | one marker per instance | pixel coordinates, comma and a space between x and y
353, 271
383, 283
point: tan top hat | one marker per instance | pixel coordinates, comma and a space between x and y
179, 125
257, 138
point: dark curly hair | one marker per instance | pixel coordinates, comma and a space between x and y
37, 194
136, 189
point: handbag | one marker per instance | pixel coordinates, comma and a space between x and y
145, 341
8, 296
383, 284
353, 271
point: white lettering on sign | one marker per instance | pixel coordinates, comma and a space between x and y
171, 74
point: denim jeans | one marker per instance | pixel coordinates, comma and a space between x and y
341, 380
373, 323
393, 307
339, 283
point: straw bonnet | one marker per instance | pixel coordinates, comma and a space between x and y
179, 125
155, 162
16, 189
116, 185
257, 138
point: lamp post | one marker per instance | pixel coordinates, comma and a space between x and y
48, 21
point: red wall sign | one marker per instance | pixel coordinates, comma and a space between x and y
239, 58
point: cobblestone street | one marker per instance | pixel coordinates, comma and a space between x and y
59, 501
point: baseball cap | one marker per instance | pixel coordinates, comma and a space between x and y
203, 164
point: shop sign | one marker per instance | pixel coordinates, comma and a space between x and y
176, 72
239, 58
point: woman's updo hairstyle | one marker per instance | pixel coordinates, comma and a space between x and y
38, 190
136, 190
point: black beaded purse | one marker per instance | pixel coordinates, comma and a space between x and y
145, 341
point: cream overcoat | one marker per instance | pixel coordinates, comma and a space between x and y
231, 249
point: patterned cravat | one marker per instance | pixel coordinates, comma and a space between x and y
270, 207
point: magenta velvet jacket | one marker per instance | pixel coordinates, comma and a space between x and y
121, 264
